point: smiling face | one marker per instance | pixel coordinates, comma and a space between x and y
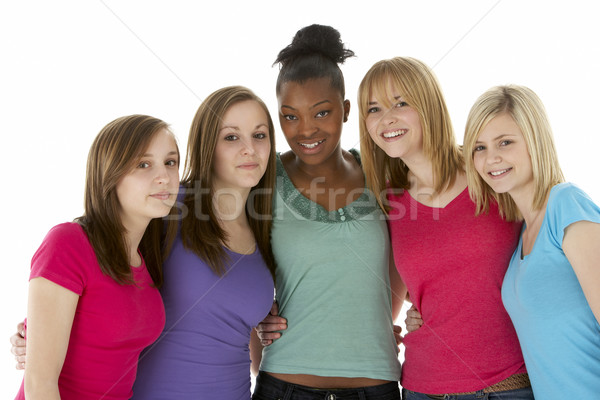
311, 115
501, 158
243, 147
394, 126
150, 189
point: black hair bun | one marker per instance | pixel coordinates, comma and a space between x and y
316, 39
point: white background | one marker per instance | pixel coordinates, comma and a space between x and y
69, 67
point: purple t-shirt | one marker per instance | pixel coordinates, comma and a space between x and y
203, 352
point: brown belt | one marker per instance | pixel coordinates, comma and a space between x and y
516, 381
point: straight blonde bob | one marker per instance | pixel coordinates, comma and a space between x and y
527, 110
419, 88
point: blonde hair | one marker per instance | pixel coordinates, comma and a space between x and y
528, 112
200, 229
419, 88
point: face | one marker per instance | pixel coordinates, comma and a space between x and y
243, 147
501, 158
150, 189
311, 115
396, 129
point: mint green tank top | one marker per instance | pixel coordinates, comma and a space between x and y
332, 285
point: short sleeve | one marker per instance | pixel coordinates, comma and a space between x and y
65, 257
569, 204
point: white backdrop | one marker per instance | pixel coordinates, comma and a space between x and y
69, 67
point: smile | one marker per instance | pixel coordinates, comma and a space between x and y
393, 134
161, 195
311, 145
500, 172
248, 166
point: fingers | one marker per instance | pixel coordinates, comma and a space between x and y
269, 331
18, 346
274, 309
413, 319
398, 334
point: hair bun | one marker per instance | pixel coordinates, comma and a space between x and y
316, 39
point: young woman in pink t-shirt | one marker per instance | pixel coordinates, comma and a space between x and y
467, 345
93, 298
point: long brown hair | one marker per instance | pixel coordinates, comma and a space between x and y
200, 229
114, 153
421, 90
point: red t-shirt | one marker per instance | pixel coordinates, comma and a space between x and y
453, 264
112, 322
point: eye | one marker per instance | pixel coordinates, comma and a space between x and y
322, 114
478, 148
372, 110
143, 164
172, 163
290, 117
231, 138
401, 104
260, 135
505, 142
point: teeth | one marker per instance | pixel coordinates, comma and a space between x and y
312, 145
399, 132
496, 173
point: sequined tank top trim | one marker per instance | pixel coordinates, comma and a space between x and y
364, 205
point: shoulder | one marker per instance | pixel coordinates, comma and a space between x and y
565, 194
68, 232
356, 154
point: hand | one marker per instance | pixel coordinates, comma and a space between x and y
398, 334
19, 346
266, 330
413, 319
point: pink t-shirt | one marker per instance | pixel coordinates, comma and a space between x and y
453, 264
112, 322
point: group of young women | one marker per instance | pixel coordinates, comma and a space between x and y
340, 235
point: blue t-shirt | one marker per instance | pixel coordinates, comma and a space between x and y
558, 332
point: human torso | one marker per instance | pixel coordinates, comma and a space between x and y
112, 322
203, 351
453, 263
333, 288
557, 330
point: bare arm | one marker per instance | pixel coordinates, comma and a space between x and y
397, 287
581, 245
255, 352
50, 313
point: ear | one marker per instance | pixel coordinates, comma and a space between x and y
346, 110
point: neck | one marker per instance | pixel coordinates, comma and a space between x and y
524, 202
420, 174
133, 239
230, 204
330, 168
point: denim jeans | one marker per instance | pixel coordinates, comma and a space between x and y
517, 394
270, 388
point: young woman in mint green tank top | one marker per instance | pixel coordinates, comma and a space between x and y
330, 242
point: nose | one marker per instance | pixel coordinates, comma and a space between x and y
306, 127
162, 174
389, 116
493, 156
248, 147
